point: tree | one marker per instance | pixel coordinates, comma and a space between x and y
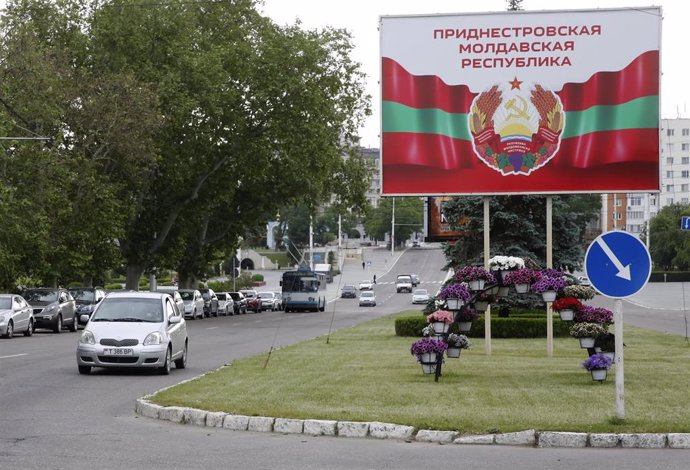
514, 5
669, 246
409, 212
518, 228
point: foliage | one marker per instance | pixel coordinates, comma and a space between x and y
503, 263
257, 277
579, 292
467, 313
440, 316
600, 315
597, 361
427, 345
474, 273
587, 330
669, 246
409, 214
458, 341
518, 227
566, 303
607, 342
511, 327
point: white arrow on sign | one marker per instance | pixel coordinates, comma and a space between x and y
623, 271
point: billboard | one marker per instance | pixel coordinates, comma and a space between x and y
520, 102
437, 227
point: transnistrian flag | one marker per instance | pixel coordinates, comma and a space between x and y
548, 102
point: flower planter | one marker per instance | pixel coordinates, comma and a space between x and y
586, 343
481, 305
453, 352
464, 326
454, 304
504, 273
428, 361
599, 375
477, 284
567, 314
548, 295
440, 327
522, 288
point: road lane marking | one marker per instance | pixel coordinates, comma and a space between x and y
14, 355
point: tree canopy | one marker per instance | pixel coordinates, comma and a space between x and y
669, 246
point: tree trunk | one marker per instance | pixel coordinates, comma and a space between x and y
134, 272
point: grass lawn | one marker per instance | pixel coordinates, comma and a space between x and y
366, 373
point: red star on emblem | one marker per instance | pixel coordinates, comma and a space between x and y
515, 83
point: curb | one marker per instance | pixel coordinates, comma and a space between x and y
378, 430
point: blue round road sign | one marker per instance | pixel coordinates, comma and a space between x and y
618, 264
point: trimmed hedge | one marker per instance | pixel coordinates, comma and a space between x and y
515, 326
671, 276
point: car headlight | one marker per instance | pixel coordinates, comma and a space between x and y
2, 319
85, 308
153, 339
87, 338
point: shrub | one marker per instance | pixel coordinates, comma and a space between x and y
519, 326
113, 286
258, 277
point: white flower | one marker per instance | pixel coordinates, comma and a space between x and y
502, 263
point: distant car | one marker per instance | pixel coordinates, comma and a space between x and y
134, 329
226, 306
16, 316
348, 292
415, 244
584, 281
86, 298
415, 280
420, 296
366, 285
193, 303
240, 302
269, 301
253, 300
281, 302
53, 308
367, 298
210, 302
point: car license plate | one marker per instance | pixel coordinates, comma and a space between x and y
118, 351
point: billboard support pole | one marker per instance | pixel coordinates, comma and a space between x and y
549, 265
487, 255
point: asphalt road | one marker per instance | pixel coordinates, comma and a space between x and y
53, 418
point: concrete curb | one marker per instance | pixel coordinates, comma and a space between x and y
378, 430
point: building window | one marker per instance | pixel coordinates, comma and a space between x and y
669, 188
669, 200
669, 174
685, 174
635, 201
685, 147
619, 202
669, 160
669, 132
684, 188
684, 200
685, 160
619, 216
685, 132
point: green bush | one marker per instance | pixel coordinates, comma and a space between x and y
113, 286
515, 326
258, 277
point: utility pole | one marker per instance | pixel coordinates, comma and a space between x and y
393, 229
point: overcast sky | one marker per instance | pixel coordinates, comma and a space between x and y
361, 18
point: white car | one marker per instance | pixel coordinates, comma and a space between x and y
366, 285
420, 296
584, 281
134, 329
269, 301
16, 316
367, 298
226, 306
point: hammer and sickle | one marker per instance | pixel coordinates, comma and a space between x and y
521, 111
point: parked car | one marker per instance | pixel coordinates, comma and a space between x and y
53, 308
86, 298
134, 329
226, 306
193, 303
253, 300
366, 285
584, 281
177, 298
269, 301
240, 302
210, 302
367, 298
420, 296
281, 302
348, 292
16, 316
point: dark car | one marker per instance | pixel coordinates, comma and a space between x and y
87, 298
210, 302
53, 308
348, 292
240, 302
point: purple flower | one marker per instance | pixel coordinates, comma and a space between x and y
474, 273
467, 314
600, 315
522, 276
428, 345
597, 361
556, 283
455, 291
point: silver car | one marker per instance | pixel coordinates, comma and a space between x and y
54, 308
16, 316
134, 329
193, 303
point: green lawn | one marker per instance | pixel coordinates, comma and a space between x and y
366, 373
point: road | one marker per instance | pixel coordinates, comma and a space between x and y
54, 418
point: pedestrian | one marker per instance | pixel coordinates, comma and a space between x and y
363, 264
374, 278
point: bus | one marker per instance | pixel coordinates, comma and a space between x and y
304, 289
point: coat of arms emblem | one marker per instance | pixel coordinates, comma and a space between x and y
516, 132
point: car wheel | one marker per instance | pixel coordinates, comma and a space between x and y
181, 363
58, 325
10, 330
167, 365
30, 330
84, 370
75, 324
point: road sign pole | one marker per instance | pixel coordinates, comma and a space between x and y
620, 383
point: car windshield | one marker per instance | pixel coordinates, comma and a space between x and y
235, 296
265, 295
129, 310
248, 294
349, 288
41, 296
5, 302
220, 296
367, 294
187, 295
420, 292
83, 296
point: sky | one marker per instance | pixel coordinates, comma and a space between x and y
361, 19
